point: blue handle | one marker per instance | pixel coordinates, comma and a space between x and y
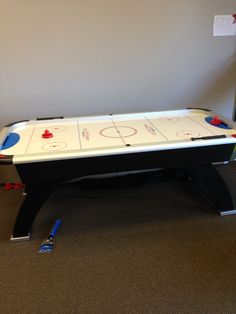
55, 228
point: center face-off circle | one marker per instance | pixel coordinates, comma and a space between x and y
119, 131
54, 146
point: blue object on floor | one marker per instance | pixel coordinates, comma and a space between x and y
48, 245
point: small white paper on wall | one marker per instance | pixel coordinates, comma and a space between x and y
224, 25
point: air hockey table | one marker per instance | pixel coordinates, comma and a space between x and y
44, 152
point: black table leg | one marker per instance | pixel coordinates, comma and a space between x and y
36, 195
210, 182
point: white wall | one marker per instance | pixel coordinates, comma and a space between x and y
73, 57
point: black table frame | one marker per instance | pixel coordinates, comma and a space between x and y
41, 178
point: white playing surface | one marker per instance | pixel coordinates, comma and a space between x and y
74, 136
